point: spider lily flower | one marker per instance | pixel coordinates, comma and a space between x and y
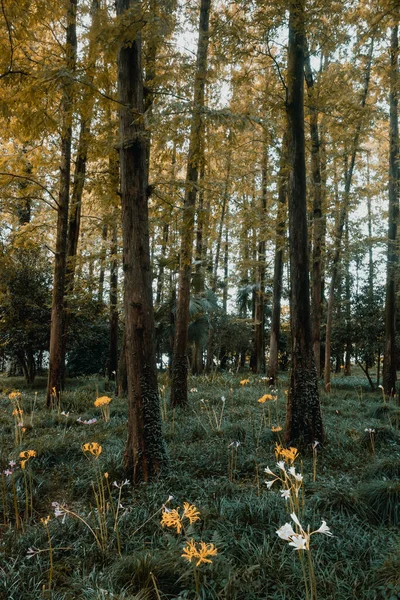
300, 540
234, 444
269, 484
324, 529
286, 532
285, 494
199, 551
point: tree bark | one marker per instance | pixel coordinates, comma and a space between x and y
57, 341
103, 256
179, 395
259, 312
303, 418
113, 352
278, 264
317, 216
389, 357
145, 454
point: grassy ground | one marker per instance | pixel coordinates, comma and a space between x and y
217, 461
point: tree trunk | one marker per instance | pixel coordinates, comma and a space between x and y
180, 360
113, 352
75, 208
303, 418
278, 264
317, 217
347, 287
145, 453
389, 357
259, 312
57, 341
103, 256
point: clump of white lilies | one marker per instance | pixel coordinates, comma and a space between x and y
295, 534
300, 539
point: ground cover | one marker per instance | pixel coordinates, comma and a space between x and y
69, 532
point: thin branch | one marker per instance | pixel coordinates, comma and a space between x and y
272, 57
9, 35
43, 187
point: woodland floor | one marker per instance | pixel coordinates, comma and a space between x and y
357, 492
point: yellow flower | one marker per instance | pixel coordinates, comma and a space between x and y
46, 520
171, 518
199, 552
190, 512
106, 475
245, 381
27, 454
102, 401
277, 428
93, 447
14, 396
17, 412
265, 398
288, 454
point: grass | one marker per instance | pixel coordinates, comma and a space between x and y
217, 465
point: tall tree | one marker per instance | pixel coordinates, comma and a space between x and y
278, 264
145, 453
180, 359
389, 359
318, 220
56, 360
259, 308
303, 419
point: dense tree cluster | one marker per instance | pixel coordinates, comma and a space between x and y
233, 163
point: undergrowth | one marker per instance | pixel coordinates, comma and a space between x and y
217, 462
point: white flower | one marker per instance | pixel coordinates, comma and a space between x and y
31, 552
286, 532
12, 463
223, 398
281, 465
315, 444
7, 472
268, 470
285, 494
235, 444
369, 430
58, 510
294, 518
193, 390
380, 387
299, 542
323, 529
269, 484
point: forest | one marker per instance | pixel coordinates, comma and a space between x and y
199, 280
